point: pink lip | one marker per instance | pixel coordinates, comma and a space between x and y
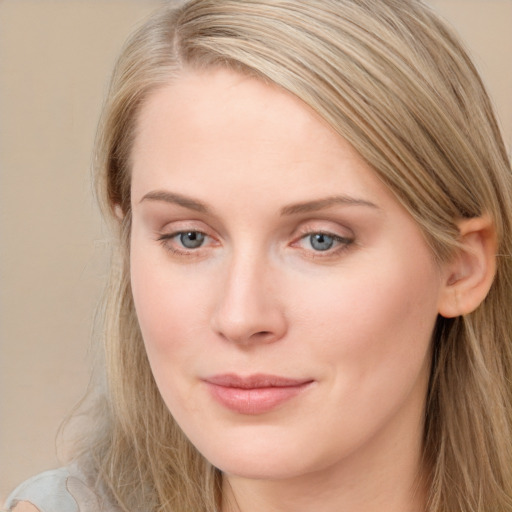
254, 394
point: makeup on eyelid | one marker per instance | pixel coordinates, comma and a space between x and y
320, 241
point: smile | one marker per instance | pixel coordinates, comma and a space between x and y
255, 394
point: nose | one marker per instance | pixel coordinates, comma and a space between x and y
249, 309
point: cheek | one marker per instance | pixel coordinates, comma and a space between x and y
370, 334
374, 323
168, 319
167, 307
366, 302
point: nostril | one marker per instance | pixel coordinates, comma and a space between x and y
263, 335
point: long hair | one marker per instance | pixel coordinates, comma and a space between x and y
390, 78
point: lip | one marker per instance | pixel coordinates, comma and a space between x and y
254, 394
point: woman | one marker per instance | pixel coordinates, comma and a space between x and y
308, 301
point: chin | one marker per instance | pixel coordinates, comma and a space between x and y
261, 456
264, 468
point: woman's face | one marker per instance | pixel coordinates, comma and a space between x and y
286, 299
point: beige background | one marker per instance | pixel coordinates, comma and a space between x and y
55, 56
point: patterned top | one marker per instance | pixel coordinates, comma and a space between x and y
59, 490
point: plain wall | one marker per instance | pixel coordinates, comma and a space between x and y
55, 58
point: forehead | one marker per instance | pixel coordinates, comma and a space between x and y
206, 101
219, 128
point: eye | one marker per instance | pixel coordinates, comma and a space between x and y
327, 243
184, 242
191, 239
321, 241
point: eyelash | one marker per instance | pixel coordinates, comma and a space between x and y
166, 238
342, 243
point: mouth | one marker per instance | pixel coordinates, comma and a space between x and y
254, 394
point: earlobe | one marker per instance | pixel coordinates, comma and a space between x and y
469, 275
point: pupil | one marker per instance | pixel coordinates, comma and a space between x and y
321, 242
192, 239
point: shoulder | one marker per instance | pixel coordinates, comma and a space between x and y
59, 490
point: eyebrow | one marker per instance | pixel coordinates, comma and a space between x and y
173, 198
292, 209
327, 202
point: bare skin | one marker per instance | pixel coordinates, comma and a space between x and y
263, 244
25, 506
254, 183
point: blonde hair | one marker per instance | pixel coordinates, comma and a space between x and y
390, 78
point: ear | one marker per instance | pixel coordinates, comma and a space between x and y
118, 212
469, 274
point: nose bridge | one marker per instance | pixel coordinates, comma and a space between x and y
248, 309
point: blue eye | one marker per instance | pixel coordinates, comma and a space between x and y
191, 239
321, 241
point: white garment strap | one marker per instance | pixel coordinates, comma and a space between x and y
47, 491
